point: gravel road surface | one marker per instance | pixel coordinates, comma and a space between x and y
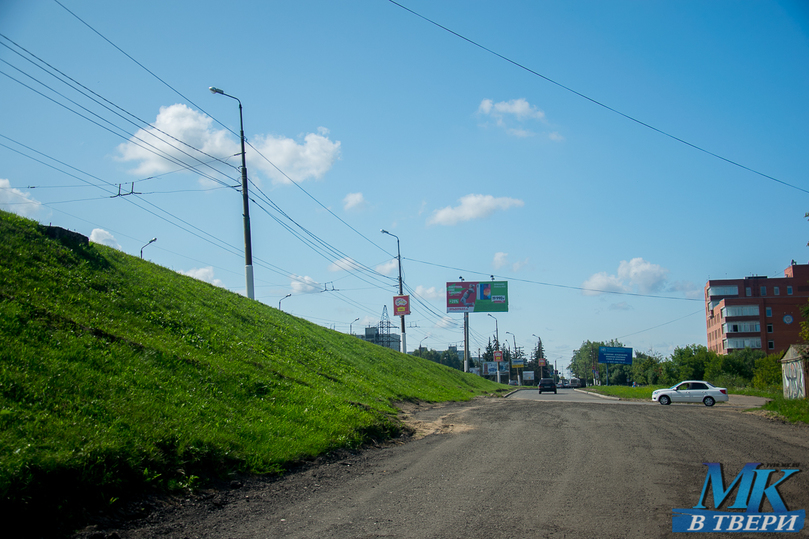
520, 467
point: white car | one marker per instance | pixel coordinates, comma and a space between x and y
691, 391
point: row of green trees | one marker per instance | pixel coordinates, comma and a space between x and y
743, 368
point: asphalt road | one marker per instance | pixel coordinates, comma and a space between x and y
519, 467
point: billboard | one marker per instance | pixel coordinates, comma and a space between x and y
614, 355
401, 305
477, 297
490, 368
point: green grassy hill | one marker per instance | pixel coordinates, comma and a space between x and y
117, 375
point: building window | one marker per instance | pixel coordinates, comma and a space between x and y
776, 290
742, 327
748, 291
744, 342
769, 328
789, 291
723, 291
771, 345
740, 310
769, 311
763, 290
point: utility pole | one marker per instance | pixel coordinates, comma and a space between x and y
248, 242
401, 291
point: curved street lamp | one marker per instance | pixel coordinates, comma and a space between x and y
151, 241
282, 299
401, 292
351, 326
496, 332
248, 248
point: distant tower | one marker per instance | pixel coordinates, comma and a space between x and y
385, 323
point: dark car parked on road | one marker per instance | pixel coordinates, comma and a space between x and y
547, 384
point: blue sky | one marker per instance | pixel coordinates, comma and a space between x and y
539, 144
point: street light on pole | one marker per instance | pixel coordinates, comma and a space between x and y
151, 241
401, 291
541, 354
282, 299
497, 336
512, 356
496, 332
248, 247
351, 326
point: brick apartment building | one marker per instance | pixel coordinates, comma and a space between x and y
757, 312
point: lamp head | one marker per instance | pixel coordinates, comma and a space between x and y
215, 90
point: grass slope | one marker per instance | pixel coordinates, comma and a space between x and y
116, 374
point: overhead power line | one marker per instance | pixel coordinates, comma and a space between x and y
595, 101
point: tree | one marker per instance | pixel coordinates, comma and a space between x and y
451, 359
768, 372
691, 361
646, 368
585, 359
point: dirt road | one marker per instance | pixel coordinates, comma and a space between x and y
512, 468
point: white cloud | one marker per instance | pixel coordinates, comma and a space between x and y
637, 274
203, 274
388, 267
556, 136
506, 113
519, 108
647, 277
99, 235
303, 285
501, 260
16, 201
429, 293
344, 264
472, 207
311, 158
183, 123
353, 201
517, 266
601, 282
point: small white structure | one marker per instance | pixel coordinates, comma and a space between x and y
795, 371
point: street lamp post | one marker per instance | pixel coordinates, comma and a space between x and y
401, 291
539, 351
151, 241
248, 248
496, 332
351, 326
282, 299
497, 336
512, 357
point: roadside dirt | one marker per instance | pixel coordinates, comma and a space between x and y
491, 468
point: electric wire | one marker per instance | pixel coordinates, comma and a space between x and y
596, 102
126, 136
74, 83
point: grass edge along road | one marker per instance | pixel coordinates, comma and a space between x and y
118, 376
792, 410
